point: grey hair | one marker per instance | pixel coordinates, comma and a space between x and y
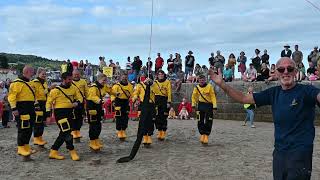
40, 70
285, 59
101, 76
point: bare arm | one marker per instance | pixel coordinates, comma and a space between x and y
233, 93
318, 98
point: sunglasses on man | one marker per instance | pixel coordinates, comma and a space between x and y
290, 69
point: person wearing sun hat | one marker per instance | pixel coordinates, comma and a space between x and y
286, 52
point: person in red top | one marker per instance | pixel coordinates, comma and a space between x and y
185, 104
159, 63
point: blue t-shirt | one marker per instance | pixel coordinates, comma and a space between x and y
132, 77
293, 113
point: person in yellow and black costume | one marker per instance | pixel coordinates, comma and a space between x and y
22, 99
79, 112
64, 99
41, 90
97, 91
163, 98
147, 111
204, 97
147, 107
122, 92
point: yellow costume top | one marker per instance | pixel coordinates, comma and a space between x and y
40, 89
140, 91
121, 91
163, 89
82, 86
97, 92
63, 97
20, 91
204, 94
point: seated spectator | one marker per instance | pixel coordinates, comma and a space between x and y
172, 114
312, 73
227, 74
184, 109
191, 78
197, 71
250, 74
132, 76
264, 75
171, 76
272, 73
301, 72
180, 79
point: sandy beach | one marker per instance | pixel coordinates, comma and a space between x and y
234, 152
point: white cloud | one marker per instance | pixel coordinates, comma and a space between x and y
121, 27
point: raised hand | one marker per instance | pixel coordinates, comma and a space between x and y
216, 77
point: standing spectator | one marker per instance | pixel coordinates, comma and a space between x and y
314, 56
69, 67
177, 63
227, 74
149, 68
301, 72
264, 74
219, 61
3, 97
81, 67
293, 110
265, 58
170, 62
159, 63
189, 63
232, 63
242, 59
3, 90
102, 63
211, 61
6, 112
128, 64
111, 64
89, 72
256, 60
286, 52
136, 65
297, 55
86, 64
250, 110
250, 74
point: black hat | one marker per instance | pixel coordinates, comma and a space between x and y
190, 52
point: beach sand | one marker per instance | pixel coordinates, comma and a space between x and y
234, 152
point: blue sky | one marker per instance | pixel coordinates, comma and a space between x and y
87, 29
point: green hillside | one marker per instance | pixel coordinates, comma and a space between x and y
34, 61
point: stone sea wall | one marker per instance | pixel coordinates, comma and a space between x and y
228, 109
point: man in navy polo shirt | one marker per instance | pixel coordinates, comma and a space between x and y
293, 108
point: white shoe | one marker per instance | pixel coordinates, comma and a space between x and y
253, 126
244, 124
